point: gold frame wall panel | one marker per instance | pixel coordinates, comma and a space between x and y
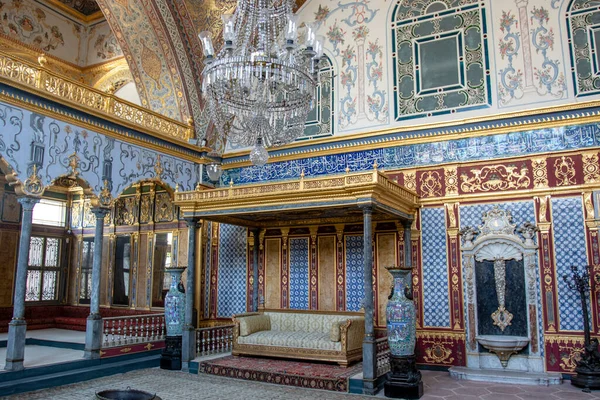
272, 272
327, 275
386, 256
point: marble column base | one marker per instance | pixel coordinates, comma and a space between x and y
15, 349
93, 337
188, 346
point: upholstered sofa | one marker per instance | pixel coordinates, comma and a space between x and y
300, 335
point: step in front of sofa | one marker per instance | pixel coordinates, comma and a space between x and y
71, 372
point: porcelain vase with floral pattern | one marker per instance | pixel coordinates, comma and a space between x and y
175, 304
401, 315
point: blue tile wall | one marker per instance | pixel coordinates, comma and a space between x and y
232, 270
436, 305
299, 257
569, 249
355, 291
415, 155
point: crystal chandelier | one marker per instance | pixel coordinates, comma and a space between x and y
260, 87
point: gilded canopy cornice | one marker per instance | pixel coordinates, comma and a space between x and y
331, 199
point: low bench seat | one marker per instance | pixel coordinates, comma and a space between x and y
300, 334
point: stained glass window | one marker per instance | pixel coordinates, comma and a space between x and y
43, 270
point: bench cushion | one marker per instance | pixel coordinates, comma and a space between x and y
303, 340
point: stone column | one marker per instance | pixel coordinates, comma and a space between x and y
188, 351
369, 345
15, 349
407, 245
255, 298
93, 329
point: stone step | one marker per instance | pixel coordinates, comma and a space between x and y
506, 376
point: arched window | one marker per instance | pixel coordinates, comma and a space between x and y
583, 30
441, 61
320, 119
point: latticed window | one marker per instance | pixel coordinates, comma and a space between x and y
43, 269
87, 257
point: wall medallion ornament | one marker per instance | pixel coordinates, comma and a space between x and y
564, 171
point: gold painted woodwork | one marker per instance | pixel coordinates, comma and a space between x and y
386, 256
322, 194
41, 81
326, 258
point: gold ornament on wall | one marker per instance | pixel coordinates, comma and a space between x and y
591, 170
540, 172
564, 170
158, 168
410, 180
451, 176
430, 184
33, 185
437, 353
495, 177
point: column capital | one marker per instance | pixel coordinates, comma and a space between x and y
28, 202
192, 222
100, 212
367, 208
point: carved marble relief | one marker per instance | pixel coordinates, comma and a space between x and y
499, 242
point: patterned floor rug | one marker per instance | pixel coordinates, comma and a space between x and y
313, 375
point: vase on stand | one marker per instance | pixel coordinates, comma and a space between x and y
403, 380
174, 321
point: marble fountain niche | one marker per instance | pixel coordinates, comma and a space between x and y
501, 275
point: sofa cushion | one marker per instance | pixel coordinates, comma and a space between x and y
303, 340
254, 323
334, 332
304, 322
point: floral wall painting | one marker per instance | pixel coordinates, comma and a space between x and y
26, 21
529, 61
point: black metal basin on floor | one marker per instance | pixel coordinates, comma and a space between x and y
124, 394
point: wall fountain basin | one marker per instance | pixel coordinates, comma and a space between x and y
503, 346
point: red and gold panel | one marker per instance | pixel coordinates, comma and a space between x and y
566, 170
562, 352
440, 348
495, 178
131, 349
313, 271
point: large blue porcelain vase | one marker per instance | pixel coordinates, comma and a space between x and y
175, 304
401, 314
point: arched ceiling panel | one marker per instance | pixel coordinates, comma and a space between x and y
151, 56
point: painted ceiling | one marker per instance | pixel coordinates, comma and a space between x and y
159, 39
85, 7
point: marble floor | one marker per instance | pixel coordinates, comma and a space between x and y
170, 385
56, 335
36, 355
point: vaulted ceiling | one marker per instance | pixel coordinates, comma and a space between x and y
159, 40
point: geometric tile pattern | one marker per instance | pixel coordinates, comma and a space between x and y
435, 271
299, 273
355, 291
569, 249
207, 260
232, 270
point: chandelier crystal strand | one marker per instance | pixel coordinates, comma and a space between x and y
260, 86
